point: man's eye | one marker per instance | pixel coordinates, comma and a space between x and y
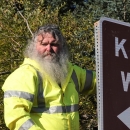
44, 44
54, 44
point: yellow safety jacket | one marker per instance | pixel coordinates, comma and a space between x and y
35, 102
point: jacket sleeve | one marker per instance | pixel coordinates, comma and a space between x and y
19, 91
89, 83
86, 80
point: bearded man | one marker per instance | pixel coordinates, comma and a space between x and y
43, 93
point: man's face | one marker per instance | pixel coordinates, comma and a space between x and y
47, 46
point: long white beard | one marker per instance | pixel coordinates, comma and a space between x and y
56, 68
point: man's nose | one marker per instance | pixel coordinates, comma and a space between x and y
48, 47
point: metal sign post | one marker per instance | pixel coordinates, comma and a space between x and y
112, 43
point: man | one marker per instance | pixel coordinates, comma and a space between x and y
43, 93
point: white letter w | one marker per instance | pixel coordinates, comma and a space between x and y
125, 81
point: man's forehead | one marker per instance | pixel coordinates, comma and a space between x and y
44, 35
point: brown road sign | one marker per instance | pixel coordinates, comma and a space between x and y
112, 42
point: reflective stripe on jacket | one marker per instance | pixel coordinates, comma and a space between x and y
35, 102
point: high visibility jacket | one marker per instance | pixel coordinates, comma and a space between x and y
33, 101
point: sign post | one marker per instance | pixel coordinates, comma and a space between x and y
112, 43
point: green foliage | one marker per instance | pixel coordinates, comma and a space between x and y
76, 18
2, 124
88, 112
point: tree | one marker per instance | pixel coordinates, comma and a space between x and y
18, 18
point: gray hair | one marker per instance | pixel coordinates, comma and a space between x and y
53, 30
